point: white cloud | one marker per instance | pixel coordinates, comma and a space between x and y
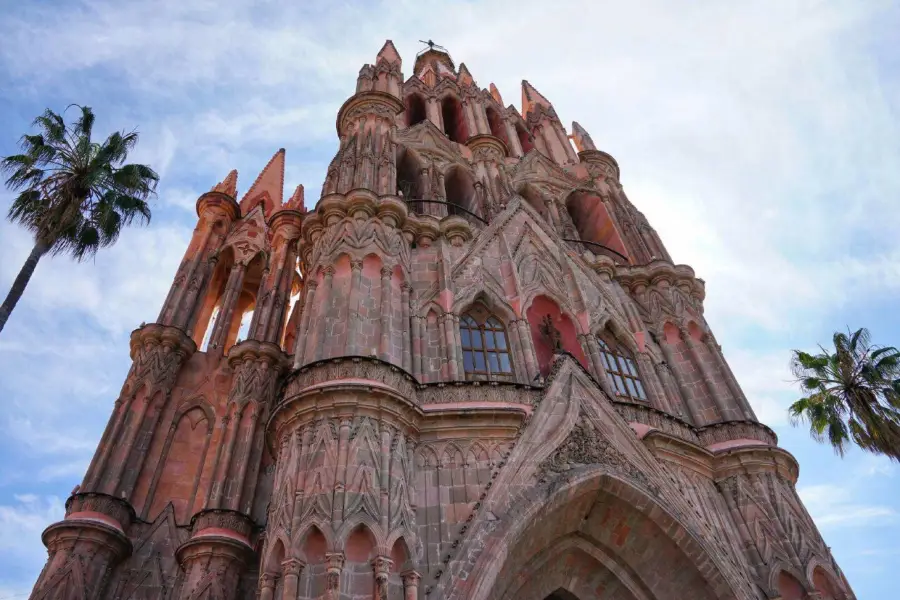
833, 506
21, 524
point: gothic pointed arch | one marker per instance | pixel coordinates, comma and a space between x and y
409, 174
454, 119
415, 109
460, 191
596, 227
485, 344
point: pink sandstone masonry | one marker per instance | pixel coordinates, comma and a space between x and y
470, 372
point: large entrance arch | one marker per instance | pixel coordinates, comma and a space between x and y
599, 536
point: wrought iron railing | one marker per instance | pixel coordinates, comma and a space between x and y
419, 206
594, 247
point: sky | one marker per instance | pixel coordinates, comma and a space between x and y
760, 138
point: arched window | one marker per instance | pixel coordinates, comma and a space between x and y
460, 191
408, 174
485, 346
415, 110
498, 129
623, 375
454, 120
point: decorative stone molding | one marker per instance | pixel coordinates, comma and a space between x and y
728, 431
600, 163
487, 147
380, 104
218, 203
350, 368
157, 352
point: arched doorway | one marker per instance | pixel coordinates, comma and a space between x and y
598, 536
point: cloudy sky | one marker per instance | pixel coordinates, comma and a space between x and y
761, 139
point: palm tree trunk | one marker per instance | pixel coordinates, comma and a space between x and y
18, 286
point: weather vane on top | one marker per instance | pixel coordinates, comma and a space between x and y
431, 45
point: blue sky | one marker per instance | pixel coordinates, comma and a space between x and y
761, 139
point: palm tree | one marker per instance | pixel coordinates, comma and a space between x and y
75, 195
851, 395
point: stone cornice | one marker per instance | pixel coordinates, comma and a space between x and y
219, 201
364, 103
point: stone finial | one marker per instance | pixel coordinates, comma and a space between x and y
464, 78
582, 138
268, 187
296, 201
228, 185
389, 53
531, 97
495, 93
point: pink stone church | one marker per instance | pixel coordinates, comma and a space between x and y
471, 371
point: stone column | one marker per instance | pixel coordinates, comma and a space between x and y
411, 581
735, 389
300, 349
515, 147
318, 338
686, 397
385, 346
655, 395
450, 342
517, 352
292, 568
418, 346
353, 318
333, 575
267, 582
381, 567
230, 298
457, 348
601, 374
433, 112
340, 483
471, 120
405, 289
704, 371
531, 363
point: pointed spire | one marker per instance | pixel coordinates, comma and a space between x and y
532, 97
582, 138
269, 184
464, 77
228, 185
495, 93
389, 53
296, 201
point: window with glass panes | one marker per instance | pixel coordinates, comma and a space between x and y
623, 374
485, 347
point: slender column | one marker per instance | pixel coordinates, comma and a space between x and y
528, 349
333, 575
517, 352
353, 318
267, 583
112, 484
411, 585
300, 345
515, 147
381, 565
291, 568
169, 314
564, 140
405, 288
222, 327
386, 289
244, 459
450, 341
433, 112
736, 392
663, 375
704, 371
687, 399
481, 116
318, 338
457, 348
655, 394
253, 332
235, 425
471, 121
418, 346
340, 483
95, 470
385, 482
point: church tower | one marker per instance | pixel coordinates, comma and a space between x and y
471, 371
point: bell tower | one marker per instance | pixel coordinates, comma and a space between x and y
471, 371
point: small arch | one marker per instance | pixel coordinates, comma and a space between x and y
360, 545
409, 174
400, 554
824, 584
415, 109
314, 545
275, 557
454, 120
526, 140
789, 587
552, 330
460, 191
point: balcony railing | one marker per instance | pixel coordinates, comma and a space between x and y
600, 250
440, 209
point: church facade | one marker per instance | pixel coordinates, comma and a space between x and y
470, 372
